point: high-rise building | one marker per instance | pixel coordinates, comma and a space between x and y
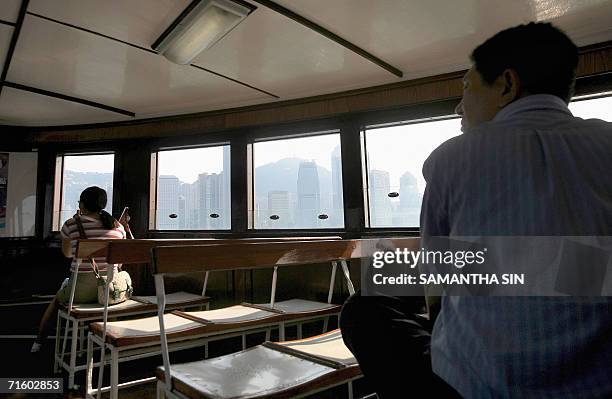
209, 201
380, 204
309, 197
279, 204
337, 197
167, 202
225, 201
409, 210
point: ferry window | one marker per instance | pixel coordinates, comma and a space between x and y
297, 183
599, 108
394, 182
190, 189
73, 174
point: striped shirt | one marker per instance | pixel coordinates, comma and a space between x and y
533, 170
93, 229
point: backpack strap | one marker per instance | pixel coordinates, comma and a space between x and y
79, 223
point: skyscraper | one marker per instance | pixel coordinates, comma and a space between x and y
380, 204
337, 197
410, 201
309, 197
167, 202
279, 204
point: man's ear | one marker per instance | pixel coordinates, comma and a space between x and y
511, 87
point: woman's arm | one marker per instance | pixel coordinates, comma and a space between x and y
67, 247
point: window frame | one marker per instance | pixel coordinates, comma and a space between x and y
276, 133
365, 161
153, 183
58, 182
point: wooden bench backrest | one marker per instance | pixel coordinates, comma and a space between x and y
233, 256
91, 248
139, 251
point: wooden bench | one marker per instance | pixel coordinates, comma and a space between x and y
273, 369
76, 317
138, 339
177, 259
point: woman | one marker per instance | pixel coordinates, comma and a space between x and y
97, 223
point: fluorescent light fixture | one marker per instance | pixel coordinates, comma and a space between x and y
200, 26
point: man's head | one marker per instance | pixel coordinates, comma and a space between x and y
536, 58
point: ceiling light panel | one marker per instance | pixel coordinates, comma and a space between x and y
277, 54
199, 29
79, 64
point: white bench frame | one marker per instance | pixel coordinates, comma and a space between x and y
75, 327
164, 389
133, 352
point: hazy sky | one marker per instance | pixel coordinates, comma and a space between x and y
317, 148
394, 149
188, 164
90, 163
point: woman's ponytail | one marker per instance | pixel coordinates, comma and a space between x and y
108, 221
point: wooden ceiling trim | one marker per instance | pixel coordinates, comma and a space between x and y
330, 35
595, 61
13, 44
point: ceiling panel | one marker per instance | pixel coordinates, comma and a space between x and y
138, 22
53, 57
6, 32
10, 10
425, 38
274, 53
19, 107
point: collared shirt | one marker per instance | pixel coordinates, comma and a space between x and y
533, 170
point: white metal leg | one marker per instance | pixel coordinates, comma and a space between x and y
114, 382
73, 352
325, 324
58, 334
299, 330
350, 389
244, 341
64, 342
82, 342
347, 276
268, 333
89, 372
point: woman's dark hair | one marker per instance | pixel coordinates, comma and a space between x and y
542, 55
94, 199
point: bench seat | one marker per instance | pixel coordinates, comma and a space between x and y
84, 311
299, 367
300, 308
180, 325
136, 305
176, 299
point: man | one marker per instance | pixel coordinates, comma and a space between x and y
524, 166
